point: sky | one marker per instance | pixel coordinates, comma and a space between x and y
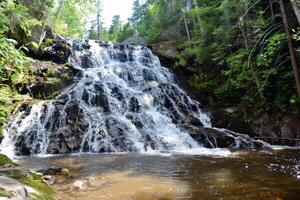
116, 7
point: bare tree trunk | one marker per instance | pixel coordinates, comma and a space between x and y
290, 44
186, 27
98, 19
272, 9
242, 27
296, 9
197, 6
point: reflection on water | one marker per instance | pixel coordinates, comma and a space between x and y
138, 177
123, 185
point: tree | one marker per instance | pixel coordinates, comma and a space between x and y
291, 48
70, 17
115, 28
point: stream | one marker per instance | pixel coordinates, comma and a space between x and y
243, 175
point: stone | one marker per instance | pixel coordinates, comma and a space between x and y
49, 180
65, 172
58, 52
136, 40
14, 189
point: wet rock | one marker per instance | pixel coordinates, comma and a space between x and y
231, 118
134, 105
212, 138
49, 180
291, 128
65, 172
79, 185
58, 52
51, 171
49, 80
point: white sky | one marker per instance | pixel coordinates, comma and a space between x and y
116, 7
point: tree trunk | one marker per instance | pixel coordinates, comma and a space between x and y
272, 9
186, 27
290, 44
196, 5
296, 9
98, 19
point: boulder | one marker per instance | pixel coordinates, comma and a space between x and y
58, 52
14, 190
213, 138
136, 40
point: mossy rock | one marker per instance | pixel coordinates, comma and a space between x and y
4, 193
34, 181
4, 160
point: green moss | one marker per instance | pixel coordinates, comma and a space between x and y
4, 193
68, 65
34, 181
48, 42
50, 72
5, 160
8, 98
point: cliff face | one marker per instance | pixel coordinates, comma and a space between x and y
50, 74
273, 126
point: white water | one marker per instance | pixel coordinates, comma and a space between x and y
123, 101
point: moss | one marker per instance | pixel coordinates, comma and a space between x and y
48, 42
34, 181
4, 160
68, 65
50, 72
4, 193
8, 99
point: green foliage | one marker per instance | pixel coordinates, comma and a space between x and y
238, 47
14, 16
15, 67
69, 18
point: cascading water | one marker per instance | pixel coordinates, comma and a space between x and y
123, 101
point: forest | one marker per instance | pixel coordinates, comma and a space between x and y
237, 60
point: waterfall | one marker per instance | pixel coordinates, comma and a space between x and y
123, 100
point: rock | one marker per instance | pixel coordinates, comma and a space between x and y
58, 52
136, 40
49, 180
291, 128
212, 138
55, 171
49, 80
262, 126
14, 189
233, 119
65, 172
79, 184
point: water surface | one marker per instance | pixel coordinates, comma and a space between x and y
246, 175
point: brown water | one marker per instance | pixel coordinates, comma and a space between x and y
244, 176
